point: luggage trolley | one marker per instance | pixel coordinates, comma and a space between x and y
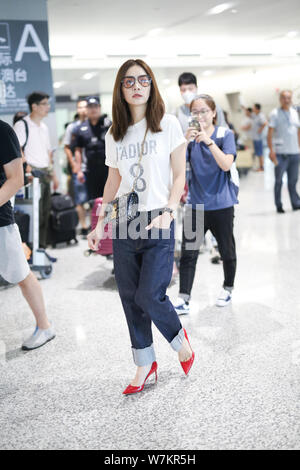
30, 205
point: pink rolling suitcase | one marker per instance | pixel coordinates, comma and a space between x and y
106, 245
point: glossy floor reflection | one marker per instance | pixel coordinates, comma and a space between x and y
243, 391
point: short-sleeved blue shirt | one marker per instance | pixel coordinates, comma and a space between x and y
208, 183
285, 125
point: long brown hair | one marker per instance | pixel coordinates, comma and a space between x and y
210, 103
121, 115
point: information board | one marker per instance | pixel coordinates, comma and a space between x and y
24, 63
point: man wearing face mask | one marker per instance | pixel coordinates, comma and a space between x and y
187, 83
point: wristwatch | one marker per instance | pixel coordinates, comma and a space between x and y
171, 212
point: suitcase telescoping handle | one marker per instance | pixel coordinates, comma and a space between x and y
38, 173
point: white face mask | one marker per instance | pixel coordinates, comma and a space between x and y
188, 96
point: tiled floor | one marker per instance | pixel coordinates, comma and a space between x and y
243, 391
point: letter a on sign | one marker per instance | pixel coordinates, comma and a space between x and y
37, 48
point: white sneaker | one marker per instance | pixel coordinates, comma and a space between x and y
38, 339
224, 298
182, 307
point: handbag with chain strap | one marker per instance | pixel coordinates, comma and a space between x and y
125, 208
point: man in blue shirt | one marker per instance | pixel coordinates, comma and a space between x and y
284, 145
79, 188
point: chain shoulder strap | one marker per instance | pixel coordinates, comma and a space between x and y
140, 159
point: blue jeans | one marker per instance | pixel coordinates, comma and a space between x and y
80, 191
289, 164
258, 148
143, 271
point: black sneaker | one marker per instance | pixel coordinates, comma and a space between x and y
280, 210
84, 232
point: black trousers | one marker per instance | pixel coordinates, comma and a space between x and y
96, 177
220, 223
44, 204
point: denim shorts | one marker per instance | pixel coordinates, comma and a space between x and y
80, 191
258, 148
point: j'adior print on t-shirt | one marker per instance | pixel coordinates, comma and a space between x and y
133, 151
153, 173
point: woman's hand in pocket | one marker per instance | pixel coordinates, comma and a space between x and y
161, 222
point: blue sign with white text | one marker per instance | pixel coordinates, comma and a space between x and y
24, 63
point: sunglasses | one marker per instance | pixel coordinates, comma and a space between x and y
129, 82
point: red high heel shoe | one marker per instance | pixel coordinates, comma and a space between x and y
131, 389
187, 365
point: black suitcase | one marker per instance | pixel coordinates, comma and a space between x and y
23, 222
63, 220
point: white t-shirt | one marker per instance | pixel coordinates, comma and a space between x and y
69, 132
38, 145
155, 176
258, 121
247, 135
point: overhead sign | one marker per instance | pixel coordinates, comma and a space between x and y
24, 64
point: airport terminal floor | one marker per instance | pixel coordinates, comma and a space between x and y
243, 390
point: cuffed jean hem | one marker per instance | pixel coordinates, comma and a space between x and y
144, 357
229, 288
185, 297
176, 343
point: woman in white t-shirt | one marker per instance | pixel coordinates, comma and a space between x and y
145, 147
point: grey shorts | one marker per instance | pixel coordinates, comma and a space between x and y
13, 265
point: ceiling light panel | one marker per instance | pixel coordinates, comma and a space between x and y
221, 8
89, 75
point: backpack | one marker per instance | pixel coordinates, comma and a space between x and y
233, 174
23, 148
26, 132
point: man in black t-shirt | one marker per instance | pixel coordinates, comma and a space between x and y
13, 265
89, 141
